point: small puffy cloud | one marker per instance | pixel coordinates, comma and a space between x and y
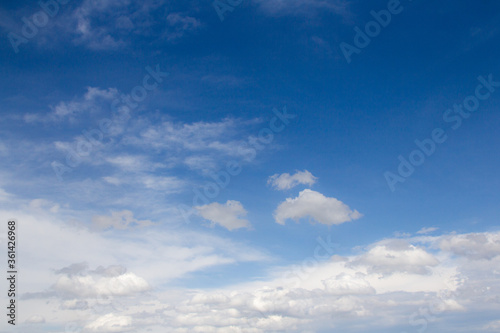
286, 181
118, 220
315, 205
110, 323
424, 231
227, 215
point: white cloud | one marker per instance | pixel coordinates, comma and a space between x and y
286, 181
201, 146
424, 231
113, 180
303, 7
91, 102
83, 24
110, 24
316, 206
4, 196
345, 284
110, 323
493, 326
145, 250
203, 163
227, 215
42, 204
475, 246
118, 220
129, 162
164, 184
376, 289
195, 136
97, 285
397, 256
180, 24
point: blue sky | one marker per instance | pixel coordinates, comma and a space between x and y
116, 113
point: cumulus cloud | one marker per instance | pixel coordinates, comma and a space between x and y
345, 284
286, 181
379, 288
228, 215
397, 256
316, 206
111, 281
110, 323
118, 220
475, 246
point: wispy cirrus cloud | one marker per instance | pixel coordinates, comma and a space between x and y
108, 25
94, 100
180, 24
303, 7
